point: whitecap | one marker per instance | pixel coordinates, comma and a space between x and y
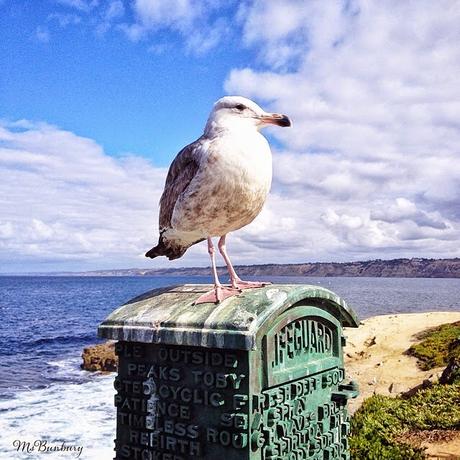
78, 414
68, 368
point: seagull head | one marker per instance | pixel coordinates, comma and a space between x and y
237, 112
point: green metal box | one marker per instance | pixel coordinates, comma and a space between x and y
260, 376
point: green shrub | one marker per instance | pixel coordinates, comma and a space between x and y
379, 425
437, 346
433, 408
375, 427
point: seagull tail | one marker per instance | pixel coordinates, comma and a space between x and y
171, 251
155, 252
168, 249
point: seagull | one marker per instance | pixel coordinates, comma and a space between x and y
216, 185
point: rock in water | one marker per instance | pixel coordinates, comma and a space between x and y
100, 358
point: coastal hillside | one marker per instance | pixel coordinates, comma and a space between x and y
396, 268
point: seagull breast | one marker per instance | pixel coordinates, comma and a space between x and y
230, 187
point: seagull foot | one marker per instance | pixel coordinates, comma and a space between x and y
217, 295
240, 284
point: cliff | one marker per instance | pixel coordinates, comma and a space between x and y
397, 268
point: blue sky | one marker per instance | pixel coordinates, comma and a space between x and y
147, 96
97, 96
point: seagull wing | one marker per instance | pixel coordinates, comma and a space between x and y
180, 174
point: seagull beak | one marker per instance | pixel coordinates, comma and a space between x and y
276, 119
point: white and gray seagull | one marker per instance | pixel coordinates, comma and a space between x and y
216, 185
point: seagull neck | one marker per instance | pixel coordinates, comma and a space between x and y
214, 129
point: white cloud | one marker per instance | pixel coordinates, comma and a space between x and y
369, 169
64, 200
115, 9
202, 24
100, 15
180, 13
371, 161
403, 209
66, 205
112, 13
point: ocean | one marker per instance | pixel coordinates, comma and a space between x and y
45, 398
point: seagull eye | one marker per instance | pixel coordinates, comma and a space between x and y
240, 107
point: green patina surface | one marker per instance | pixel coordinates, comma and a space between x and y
168, 316
258, 377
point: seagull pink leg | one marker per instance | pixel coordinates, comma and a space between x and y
237, 282
219, 293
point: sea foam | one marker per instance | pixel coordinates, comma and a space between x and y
76, 414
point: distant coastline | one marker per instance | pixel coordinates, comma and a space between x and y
394, 268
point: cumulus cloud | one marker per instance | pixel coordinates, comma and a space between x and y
369, 169
403, 209
372, 158
66, 205
64, 199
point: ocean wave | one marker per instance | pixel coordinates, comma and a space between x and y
63, 339
40, 344
79, 415
41, 373
66, 368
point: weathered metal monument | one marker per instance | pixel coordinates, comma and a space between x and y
259, 376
